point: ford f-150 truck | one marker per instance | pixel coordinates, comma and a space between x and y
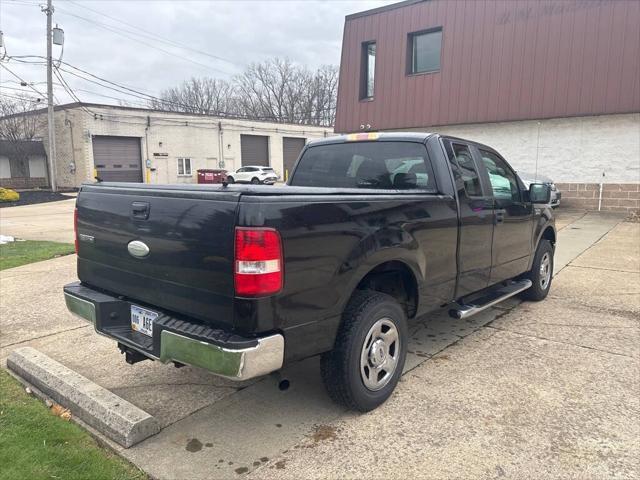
371, 230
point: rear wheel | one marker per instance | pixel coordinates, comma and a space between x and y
255, 181
366, 363
541, 273
230, 180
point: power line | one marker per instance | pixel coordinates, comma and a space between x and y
144, 96
71, 93
21, 79
138, 93
91, 92
119, 31
122, 89
154, 35
16, 97
20, 58
18, 89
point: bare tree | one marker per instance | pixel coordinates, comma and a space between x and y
276, 90
281, 91
198, 95
16, 123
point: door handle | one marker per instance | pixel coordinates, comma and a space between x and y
140, 210
499, 217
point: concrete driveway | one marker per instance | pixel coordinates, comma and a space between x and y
526, 390
42, 221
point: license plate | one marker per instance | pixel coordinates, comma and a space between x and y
142, 320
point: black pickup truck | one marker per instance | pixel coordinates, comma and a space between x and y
371, 230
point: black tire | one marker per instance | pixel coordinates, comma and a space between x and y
540, 288
341, 367
230, 180
255, 181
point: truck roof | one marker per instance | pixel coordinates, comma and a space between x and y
374, 136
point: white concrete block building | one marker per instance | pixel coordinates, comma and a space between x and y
141, 145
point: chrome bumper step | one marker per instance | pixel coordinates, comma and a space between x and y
489, 299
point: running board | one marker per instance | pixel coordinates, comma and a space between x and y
489, 299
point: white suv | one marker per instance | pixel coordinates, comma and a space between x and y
253, 174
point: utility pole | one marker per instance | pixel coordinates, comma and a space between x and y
50, 121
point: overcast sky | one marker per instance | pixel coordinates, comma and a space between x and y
135, 43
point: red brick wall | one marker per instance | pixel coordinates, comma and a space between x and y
616, 197
23, 182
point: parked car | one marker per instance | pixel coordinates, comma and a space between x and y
254, 174
556, 194
371, 230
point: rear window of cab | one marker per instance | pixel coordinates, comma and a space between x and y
368, 165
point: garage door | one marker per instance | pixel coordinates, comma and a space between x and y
291, 148
254, 150
117, 159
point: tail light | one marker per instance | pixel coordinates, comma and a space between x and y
75, 228
258, 262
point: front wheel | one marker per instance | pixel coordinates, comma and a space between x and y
230, 180
255, 181
541, 273
367, 360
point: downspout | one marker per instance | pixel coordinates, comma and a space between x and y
74, 166
147, 163
220, 147
600, 195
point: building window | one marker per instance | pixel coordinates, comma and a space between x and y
184, 167
5, 167
424, 51
368, 70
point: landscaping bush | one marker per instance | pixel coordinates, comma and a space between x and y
8, 195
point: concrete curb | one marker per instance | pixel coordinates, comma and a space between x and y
109, 414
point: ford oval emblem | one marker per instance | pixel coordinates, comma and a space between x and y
138, 249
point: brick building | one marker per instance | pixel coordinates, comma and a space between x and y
23, 164
151, 146
554, 85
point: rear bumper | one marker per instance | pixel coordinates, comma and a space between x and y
176, 340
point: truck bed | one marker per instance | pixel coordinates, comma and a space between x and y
189, 230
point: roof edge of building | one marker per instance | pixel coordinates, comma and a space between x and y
70, 106
384, 8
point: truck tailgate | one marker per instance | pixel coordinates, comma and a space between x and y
189, 234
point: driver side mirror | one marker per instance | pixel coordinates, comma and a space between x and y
539, 193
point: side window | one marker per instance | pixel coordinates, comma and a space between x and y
503, 181
461, 154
